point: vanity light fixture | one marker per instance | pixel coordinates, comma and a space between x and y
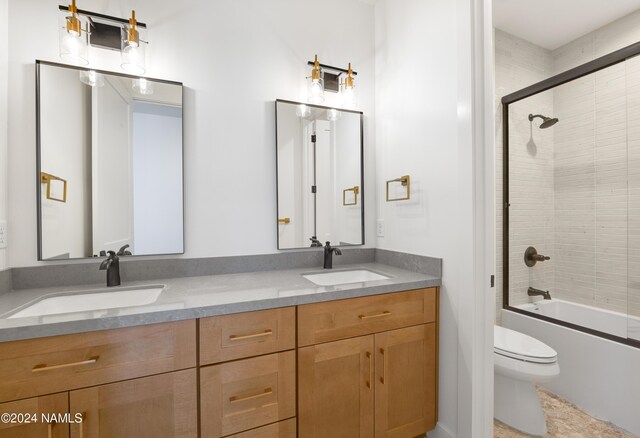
332, 79
91, 78
80, 29
73, 38
316, 86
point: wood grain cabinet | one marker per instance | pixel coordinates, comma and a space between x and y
405, 382
59, 363
381, 385
162, 406
229, 337
356, 368
40, 426
241, 395
336, 389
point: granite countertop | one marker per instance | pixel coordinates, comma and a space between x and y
196, 297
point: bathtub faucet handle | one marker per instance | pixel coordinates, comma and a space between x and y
531, 257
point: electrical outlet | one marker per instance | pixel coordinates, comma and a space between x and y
3, 234
380, 228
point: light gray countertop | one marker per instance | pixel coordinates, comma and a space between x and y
196, 297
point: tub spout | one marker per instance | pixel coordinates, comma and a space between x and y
533, 292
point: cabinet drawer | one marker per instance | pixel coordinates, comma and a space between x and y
43, 366
242, 395
330, 321
229, 337
283, 429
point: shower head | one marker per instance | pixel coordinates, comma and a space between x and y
547, 122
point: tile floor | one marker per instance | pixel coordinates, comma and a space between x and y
565, 420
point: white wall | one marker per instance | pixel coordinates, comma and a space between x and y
4, 178
235, 60
157, 175
348, 218
423, 106
66, 226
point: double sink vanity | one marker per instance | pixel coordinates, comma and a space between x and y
265, 346
273, 354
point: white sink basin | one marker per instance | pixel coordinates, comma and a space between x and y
89, 301
333, 278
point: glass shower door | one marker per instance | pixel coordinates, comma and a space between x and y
633, 170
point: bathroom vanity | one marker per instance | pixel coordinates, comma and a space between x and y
364, 366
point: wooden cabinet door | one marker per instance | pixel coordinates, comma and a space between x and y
162, 406
49, 405
406, 382
335, 397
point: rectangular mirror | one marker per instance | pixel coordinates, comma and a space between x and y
320, 175
109, 164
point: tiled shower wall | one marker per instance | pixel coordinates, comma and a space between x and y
519, 64
584, 209
597, 173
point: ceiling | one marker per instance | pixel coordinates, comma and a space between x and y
554, 23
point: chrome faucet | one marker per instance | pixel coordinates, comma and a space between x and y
533, 292
112, 265
328, 255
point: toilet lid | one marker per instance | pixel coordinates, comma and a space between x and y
522, 347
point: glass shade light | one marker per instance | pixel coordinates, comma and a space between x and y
316, 86
303, 111
133, 53
74, 47
333, 115
348, 92
91, 78
143, 86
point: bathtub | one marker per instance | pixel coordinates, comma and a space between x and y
600, 376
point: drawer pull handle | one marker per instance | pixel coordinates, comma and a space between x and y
254, 335
83, 416
43, 367
50, 428
235, 398
377, 315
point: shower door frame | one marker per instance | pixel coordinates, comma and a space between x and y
562, 78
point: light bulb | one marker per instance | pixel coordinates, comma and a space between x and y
316, 91
333, 115
73, 48
348, 97
91, 78
303, 111
143, 86
133, 58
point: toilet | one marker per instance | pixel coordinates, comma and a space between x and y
520, 361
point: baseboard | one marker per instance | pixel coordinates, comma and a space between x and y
440, 432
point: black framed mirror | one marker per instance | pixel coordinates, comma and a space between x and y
109, 163
320, 175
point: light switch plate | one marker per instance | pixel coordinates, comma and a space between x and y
380, 228
3, 234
